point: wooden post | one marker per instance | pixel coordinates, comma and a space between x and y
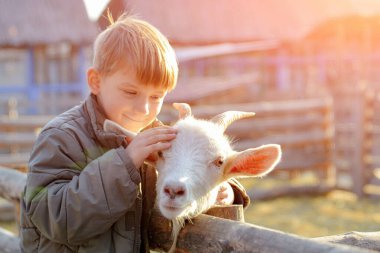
12, 183
12, 108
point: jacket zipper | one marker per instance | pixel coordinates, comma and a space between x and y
138, 221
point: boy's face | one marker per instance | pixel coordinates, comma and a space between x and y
124, 99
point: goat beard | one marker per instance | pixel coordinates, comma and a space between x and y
202, 204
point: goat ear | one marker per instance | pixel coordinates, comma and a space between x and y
254, 162
113, 127
184, 110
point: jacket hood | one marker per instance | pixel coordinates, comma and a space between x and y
97, 117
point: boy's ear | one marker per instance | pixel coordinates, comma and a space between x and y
253, 162
93, 80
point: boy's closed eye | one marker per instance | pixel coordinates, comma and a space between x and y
157, 97
130, 92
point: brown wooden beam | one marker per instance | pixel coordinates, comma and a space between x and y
212, 234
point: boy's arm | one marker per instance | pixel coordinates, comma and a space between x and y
71, 202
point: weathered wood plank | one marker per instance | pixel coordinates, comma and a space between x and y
261, 126
12, 183
7, 211
277, 107
282, 191
367, 240
212, 234
289, 139
21, 139
24, 122
231, 212
9, 243
14, 159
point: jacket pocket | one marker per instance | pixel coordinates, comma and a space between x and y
29, 240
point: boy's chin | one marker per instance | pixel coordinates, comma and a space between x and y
133, 126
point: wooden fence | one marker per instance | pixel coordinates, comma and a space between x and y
329, 138
17, 136
211, 234
357, 133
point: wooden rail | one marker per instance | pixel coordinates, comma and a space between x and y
206, 233
17, 136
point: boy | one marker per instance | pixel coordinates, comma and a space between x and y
87, 189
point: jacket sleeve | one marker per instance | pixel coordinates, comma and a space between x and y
70, 202
241, 196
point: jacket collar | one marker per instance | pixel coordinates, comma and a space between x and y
97, 117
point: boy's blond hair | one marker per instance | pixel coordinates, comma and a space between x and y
141, 46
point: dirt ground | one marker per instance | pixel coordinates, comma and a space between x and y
336, 213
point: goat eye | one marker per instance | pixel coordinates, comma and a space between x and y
218, 162
160, 155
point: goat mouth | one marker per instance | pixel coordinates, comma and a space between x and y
172, 208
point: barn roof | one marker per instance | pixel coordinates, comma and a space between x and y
33, 22
214, 21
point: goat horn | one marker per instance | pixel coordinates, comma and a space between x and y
184, 109
227, 118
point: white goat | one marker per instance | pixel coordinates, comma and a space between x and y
199, 160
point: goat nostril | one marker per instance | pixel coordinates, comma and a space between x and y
168, 191
180, 192
173, 192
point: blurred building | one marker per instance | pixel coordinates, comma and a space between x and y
290, 49
44, 51
229, 51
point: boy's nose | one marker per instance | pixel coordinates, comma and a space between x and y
143, 107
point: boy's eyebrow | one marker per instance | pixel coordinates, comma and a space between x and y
131, 85
134, 86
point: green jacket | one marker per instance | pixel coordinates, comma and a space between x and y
83, 194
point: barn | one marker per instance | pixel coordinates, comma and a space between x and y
45, 47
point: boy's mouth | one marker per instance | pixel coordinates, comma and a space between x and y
134, 120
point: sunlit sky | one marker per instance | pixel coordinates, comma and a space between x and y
95, 8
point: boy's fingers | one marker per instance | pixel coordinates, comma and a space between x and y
153, 157
158, 130
160, 138
154, 148
128, 138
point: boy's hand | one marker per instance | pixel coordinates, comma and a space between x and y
226, 194
147, 143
